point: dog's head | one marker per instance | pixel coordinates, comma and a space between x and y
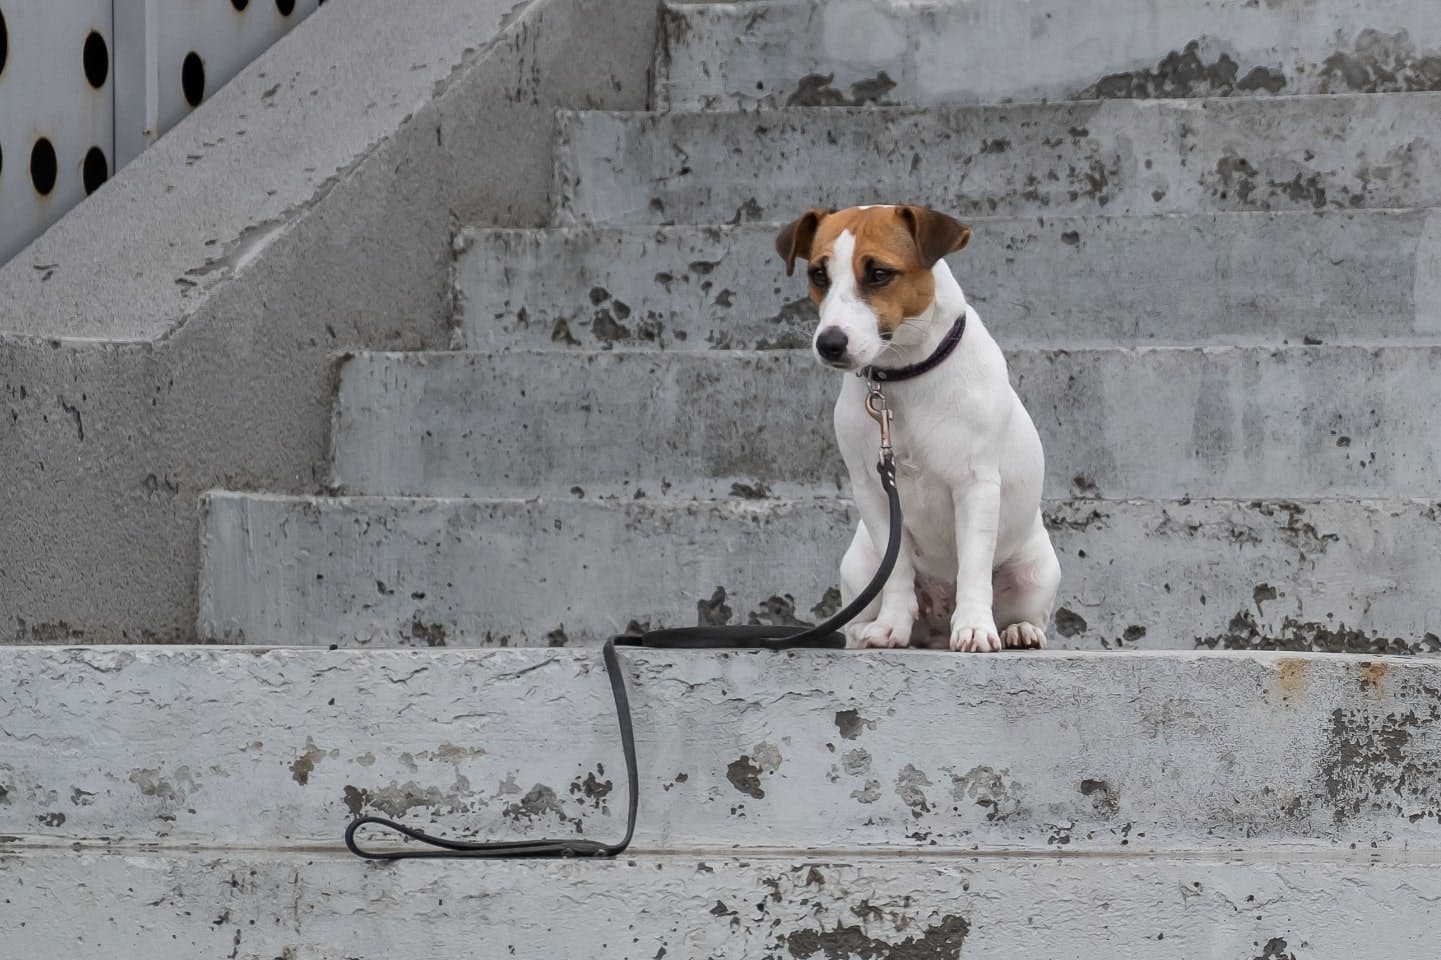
870, 270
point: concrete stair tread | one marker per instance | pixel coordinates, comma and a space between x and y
263, 904
1333, 574
1116, 157
1253, 422
1353, 276
773, 54
799, 750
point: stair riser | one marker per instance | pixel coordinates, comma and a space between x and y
260, 906
809, 750
468, 573
1113, 157
1231, 278
1254, 423
724, 56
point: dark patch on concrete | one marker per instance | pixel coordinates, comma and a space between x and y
745, 776
395, 800
4, 795
1244, 633
355, 799
908, 787
1133, 634
560, 333
1061, 519
1103, 798
52, 819
850, 723
1263, 593
431, 634
1185, 73
829, 604
939, 941
776, 611
992, 790
815, 90
1380, 63
557, 638
593, 789
74, 412
607, 329
305, 764
1369, 764
746, 491
1069, 623
713, 612
1275, 949
539, 801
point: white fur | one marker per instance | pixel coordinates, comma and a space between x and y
970, 468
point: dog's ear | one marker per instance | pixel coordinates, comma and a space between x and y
795, 238
935, 233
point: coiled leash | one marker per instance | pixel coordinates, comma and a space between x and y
823, 636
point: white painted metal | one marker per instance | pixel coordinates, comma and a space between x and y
44, 94
44, 91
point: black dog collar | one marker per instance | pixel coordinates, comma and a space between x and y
894, 374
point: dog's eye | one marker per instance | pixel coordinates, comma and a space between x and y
879, 276
819, 278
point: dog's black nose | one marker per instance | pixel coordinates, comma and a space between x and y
831, 344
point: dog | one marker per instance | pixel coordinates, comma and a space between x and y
969, 459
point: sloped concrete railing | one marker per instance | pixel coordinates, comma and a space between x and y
176, 333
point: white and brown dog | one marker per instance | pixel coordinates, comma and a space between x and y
969, 460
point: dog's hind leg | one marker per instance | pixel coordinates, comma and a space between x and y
1025, 590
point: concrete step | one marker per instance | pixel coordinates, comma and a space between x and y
1119, 157
260, 905
1239, 422
1334, 575
1253, 278
854, 52
907, 751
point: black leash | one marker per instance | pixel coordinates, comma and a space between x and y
824, 635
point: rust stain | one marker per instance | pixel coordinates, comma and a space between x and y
1372, 676
1290, 678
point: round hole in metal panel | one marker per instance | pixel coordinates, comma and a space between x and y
192, 78
96, 170
286, 7
240, 4
43, 167
97, 60
4, 41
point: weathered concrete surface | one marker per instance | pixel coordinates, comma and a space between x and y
1250, 278
175, 332
1331, 575
1245, 423
855, 52
803, 750
259, 906
1119, 157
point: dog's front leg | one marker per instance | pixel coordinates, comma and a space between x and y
892, 624
978, 514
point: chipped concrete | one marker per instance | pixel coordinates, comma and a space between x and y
1117, 157
1354, 276
851, 52
303, 570
1096, 752
177, 906
188, 312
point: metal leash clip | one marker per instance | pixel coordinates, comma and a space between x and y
881, 414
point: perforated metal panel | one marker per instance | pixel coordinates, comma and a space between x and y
86, 85
53, 112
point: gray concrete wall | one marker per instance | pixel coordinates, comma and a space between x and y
838, 52
176, 332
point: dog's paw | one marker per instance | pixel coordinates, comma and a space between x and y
1024, 636
880, 633
975, 638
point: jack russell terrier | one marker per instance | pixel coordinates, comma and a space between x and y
969, 460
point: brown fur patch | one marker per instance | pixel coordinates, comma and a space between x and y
883, 239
